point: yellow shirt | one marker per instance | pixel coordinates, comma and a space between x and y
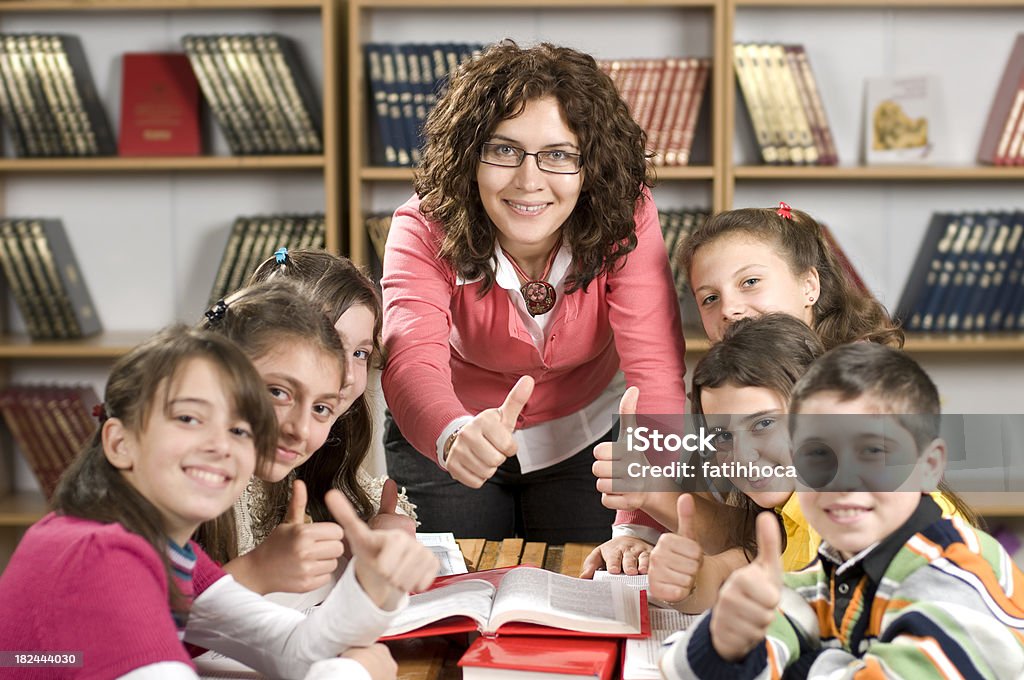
802, 540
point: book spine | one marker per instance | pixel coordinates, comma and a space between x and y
279, 131
1001, 155
676, 126
40, 107
73, 286
1003, 111
9, 110
32, 308
384, 152
991, 249
21, 98
693, 109
397, 127
48, 295
830, 155
92, 108
63, 133
796, 115
209, 85
246, 123
84, 140
923, 274
752, 98
1013, 306
298, 88
301, 133
939, 306
656, 137
23, 431
419, 99
1003, 280
405, 105
967, 275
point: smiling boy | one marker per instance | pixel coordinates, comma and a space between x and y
897, 591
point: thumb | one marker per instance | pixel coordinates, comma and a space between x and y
388, 498
685, 511
627, 405
359, 535
769, 543
515, 401
296, 512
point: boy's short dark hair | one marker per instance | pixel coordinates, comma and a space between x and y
901, 386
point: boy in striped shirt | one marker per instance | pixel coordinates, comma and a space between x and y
896, 591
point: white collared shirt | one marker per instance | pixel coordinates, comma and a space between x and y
551, 442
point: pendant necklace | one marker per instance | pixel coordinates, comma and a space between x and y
538, 293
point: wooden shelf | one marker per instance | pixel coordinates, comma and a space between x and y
152, 5
162, 164
477, 5
22, 509
995, 503
110, 345
876, 173
888, 4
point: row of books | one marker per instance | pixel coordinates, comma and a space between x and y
258, 91
404, 80
1002, 143
254, 239
676, 226
48, 100
967, 275
664, 96
785, 104
45, 280
50, 424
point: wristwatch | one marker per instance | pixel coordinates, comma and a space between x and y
448, 443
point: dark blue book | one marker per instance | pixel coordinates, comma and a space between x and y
942, 295
968, 276
935, 244
1007, 272
405, 105
1013, 312
993, 270
383, 151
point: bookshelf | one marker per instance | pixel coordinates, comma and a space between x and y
148, 232
614, 29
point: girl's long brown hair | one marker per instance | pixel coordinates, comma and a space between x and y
496, 85
337, 285
842, 313
260, 319
93, 489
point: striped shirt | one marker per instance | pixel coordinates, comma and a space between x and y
183, 562
936, 599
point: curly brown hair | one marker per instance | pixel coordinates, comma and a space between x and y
842, 313
496, 85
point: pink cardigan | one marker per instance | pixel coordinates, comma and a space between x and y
452, 354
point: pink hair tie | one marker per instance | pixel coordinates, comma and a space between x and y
784, 211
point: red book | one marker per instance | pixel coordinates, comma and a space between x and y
539, 658
523, 601
159, 106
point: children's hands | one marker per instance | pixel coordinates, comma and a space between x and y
296, 557
486, 441
748, 599
620, 555
387, 516
390, 563
677, 558
376, 659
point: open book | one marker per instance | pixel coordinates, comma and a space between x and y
523, 601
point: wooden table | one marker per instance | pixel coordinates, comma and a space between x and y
436, 658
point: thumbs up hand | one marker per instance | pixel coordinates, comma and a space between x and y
387, 516
748, 599
677, 558
296, 557
388, 563
486, 441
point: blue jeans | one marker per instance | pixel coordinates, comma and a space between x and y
558, 504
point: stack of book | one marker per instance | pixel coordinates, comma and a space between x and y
676, 225
45, 280
404, 81
967, 275
50, 424
785, 104
254, 239
48, 100
1002, 142
664, 96
259, 92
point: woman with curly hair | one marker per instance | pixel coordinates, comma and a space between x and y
526, 271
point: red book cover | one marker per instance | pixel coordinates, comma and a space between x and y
540, 657
427, 615
159, 106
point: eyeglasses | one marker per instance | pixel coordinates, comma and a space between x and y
508, 156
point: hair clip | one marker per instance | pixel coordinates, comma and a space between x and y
99, 412
216, 313
281, 255
783, 211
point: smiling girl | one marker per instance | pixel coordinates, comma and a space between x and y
112, 577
